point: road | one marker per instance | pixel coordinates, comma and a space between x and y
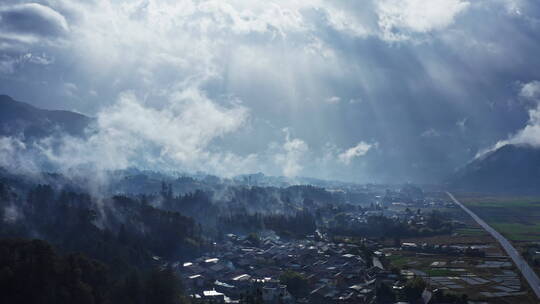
526, 270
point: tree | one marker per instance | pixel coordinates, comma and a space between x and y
297, 284
163, 286
384, 294
254, 239
414, 288
32, 272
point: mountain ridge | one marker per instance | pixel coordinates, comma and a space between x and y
24, 120
508, 169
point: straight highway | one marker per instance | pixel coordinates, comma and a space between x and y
524, 268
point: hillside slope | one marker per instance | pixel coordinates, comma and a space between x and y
24, 120
509, 169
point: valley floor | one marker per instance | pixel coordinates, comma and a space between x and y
491, 277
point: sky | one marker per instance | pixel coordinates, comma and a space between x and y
364, 91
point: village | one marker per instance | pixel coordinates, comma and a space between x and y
464, 265
324, 272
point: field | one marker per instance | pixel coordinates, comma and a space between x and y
518, 231
492, 278
398, 260
517, 218
471, 232
485, 280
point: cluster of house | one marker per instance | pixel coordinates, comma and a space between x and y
239, 272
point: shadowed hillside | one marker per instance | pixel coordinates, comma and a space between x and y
509, 169
21, 119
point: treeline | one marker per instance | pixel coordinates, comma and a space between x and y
295, 225
31, 271
288, 211
198, 204
124, 234
167, 234
381, 226
119, 231
204, 204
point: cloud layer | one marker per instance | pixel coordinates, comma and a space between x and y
398, 18
210, 85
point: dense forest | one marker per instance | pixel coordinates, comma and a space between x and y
107, 250
34, 272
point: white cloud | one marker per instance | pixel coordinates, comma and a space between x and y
178, 135
291, 156
283, 58
462, 124
430, 133
14, 156
7, 64
530, 90
399, 17
333, 100
513, 7
70, 89
10, 63
357, 151
530, 134
38, 59
345, 20
11, 214
8, 147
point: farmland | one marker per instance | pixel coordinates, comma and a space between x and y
517, 218
490, 279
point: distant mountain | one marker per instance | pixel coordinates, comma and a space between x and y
24, 120
509, 169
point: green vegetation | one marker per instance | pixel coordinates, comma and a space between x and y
439, 272
397, 260
439, 296
414, 288
471, 231
517, 218
519, 232
522, 203
31, 271
117, 265
384, 294
297, 284
254, 239
436, 223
